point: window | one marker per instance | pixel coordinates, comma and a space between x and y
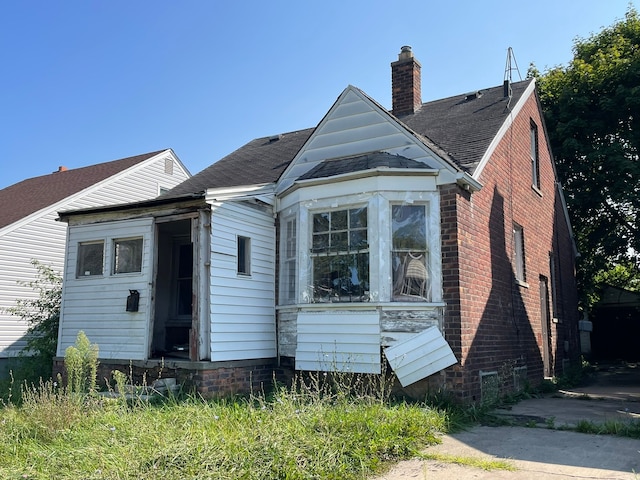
518, 252
535, 165
409, 256
127, 256
90, 259
290, 252
340, 256
244, 255
554, 285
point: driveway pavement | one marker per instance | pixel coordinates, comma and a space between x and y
535, 443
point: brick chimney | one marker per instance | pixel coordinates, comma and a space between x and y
405, 83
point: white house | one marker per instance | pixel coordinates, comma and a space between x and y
377, 237
30, 230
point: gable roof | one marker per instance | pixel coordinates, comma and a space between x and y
462, 126
28, 196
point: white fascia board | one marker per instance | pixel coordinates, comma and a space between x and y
263, 192
56, 207
503, 129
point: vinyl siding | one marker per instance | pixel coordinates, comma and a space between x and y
97, 304
242, 307
344, 341
40, 236
354, 126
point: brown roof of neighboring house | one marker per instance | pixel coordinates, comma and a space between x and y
24, 198
461, 127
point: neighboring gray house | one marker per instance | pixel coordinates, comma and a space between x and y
432, 237
29, 226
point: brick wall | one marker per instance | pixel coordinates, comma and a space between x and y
493, 322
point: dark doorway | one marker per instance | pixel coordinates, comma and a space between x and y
173, 290
546, 327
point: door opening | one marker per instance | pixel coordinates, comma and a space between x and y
174, 291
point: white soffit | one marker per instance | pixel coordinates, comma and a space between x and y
420, 356
342, 341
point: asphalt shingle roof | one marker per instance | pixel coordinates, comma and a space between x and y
24, 198
330, 168
462, 126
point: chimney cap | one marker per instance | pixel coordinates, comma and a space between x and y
61, 168
405, 53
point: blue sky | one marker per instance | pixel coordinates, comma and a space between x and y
85, 82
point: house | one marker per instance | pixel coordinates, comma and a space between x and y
432, 238
29, 228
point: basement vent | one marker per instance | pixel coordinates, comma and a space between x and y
489, 387
519, 378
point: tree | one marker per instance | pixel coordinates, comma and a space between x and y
43, 317
592, 112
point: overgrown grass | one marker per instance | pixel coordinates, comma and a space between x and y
292, 434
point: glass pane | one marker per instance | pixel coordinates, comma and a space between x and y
358, 239
409, 227
411, 279
128, 256
320, 242
339, 220
339, 241
321, 222
90, 259
358, 217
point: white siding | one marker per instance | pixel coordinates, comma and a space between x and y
356, 125
242, 307
40, 236
97, 304
420, 356
344, 341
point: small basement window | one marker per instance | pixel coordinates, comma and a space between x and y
244, 255
90, 259
127, 255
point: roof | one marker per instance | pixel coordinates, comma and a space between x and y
462, 126
29, 196
340, 166
260, 161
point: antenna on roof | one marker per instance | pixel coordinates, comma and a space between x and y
508, 69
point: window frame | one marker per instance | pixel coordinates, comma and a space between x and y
411, 278
336, 290
115, 256
243, 258
289, 260
519, 252
81, 262
534, 154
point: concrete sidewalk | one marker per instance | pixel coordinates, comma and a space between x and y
535, 444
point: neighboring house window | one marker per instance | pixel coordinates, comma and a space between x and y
518, 250
409, 255
127, 255
244, 255
535, 164
340, 256
90, 259
290, 252
163, 190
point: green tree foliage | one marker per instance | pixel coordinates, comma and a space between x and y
43, 317
592, 112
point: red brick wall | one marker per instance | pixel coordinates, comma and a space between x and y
492, 322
